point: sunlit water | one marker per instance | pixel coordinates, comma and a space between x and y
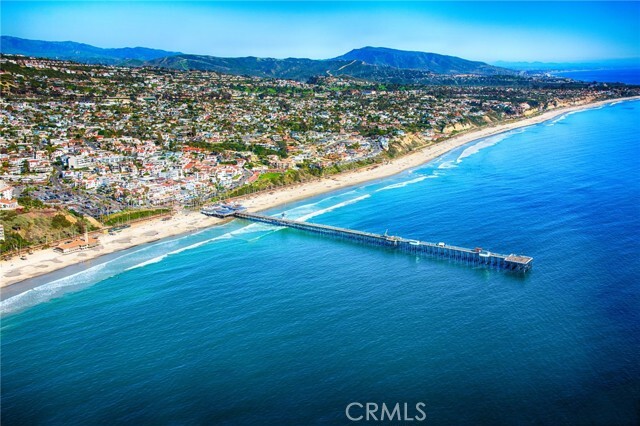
250, 324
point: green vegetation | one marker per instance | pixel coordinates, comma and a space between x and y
30, 203
31, 72
39, 226
221, 147
305, 173
12, 241
236, 121
24, 168
269, 178
269, 181
129, 215
59, 221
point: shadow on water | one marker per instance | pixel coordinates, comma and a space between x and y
484, 272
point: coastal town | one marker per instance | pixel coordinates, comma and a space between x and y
319, 213
98, 141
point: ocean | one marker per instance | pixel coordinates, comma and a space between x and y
627, 76
250, 324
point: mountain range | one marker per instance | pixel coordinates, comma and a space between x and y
432, 62
80, 52
368, 63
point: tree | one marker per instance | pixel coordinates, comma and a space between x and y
24, 169
28, 202
59, 221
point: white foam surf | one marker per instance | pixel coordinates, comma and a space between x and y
49, 290
89, 276
447, 165
102, 271
486, 143
253, 228
304, 209
562, 117
332, 208
177, 251
403, 184
226, 236
147, 262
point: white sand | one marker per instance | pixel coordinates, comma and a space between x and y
45, 261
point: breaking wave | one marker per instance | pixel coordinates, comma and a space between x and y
47, 291
562, 117
485, 143
334, 207
447, 165
180, 250
405, 183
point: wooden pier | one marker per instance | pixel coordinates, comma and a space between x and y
477, 256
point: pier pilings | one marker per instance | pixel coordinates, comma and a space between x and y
476, 257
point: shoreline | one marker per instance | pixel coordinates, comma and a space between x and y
43, 262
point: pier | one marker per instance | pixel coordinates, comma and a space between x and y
475, 256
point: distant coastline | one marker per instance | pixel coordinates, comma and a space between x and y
47, 261
619, 75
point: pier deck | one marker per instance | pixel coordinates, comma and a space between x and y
476, 256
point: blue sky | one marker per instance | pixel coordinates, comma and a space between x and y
514, 31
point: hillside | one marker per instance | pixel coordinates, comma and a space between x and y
80, 52
39, 224
432, 62
369, 63
305, 69
290, 68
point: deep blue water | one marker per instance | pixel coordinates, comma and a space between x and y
628, 76
247, 324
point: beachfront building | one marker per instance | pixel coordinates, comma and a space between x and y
6, 191
6, 204
77, 244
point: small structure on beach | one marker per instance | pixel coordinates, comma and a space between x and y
77, 244
222, 210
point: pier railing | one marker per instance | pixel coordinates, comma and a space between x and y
478, 257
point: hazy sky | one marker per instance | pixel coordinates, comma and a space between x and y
536, 31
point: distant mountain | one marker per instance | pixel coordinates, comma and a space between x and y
432, 62
369, 63
79, 52
305, 69
289, 68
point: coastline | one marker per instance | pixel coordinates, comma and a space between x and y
46, 261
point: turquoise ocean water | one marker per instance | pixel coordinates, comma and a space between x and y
249, 324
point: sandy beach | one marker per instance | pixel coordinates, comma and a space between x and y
46, 261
